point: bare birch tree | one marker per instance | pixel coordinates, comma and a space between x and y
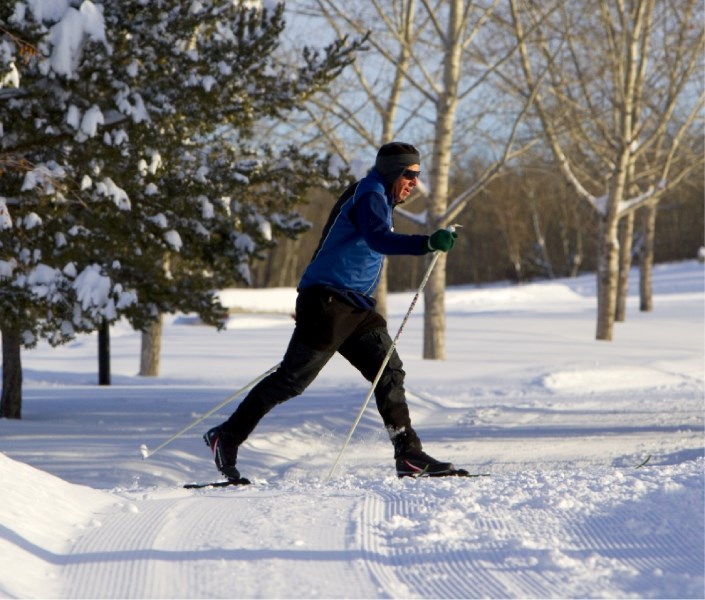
616, 95
435, 58
366, 101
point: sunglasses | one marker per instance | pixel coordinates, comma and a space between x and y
410, 174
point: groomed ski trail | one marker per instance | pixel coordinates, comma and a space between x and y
210, 540
524, 534
442, 540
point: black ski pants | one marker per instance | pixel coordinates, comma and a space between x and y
326, 324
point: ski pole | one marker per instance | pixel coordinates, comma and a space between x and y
146, 452
436, 254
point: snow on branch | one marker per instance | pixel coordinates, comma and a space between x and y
631, 204
421, 219
109, 188
67, 36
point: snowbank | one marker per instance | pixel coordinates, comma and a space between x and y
41, 517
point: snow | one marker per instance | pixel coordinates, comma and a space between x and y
66, 36
173, 238
92, 288
561, 422
109, 188
90, 121
5, 218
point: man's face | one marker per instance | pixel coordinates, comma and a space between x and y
403, 186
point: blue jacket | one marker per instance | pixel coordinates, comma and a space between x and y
357, 235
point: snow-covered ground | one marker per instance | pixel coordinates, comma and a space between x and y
559, 420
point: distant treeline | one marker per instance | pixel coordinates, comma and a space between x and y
526, 225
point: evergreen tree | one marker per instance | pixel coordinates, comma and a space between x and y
131, 179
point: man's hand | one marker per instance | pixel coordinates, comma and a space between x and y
442, 240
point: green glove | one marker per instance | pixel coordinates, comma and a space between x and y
442, 240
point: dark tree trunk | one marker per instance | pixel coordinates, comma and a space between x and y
11, 401
104, 354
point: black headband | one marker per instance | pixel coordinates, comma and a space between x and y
393, 158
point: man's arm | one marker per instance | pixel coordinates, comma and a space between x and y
370, 217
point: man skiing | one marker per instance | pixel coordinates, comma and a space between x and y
335, 312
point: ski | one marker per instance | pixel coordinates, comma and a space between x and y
453, 473
229, 482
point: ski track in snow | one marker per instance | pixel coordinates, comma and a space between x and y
560, 422
428, 577
473, 567
180, 547
572, 527
511, 535
533, 546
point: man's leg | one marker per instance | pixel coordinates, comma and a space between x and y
366, 352
322, 323
298, 369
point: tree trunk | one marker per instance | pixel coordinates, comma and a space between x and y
608, 246
11, 400
572, 250
434, 341
626, 234
541, 243
607, 271
446, 107
151, 349
577, 256
506, 225
648, 224
388, 120
104, 353
289, 266
383, 290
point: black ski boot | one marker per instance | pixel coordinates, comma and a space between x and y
412, 461
224, 452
